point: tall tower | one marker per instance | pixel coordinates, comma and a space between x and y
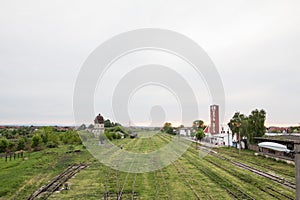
99, 125
214, 119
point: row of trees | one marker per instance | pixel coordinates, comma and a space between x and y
14, 133
249, 126
45, 137
7, 145
107, 124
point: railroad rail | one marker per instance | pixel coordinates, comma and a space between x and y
54, 184
237, 193
274, 178
266, 188
155, 162
119, 191
231, 189
260, 165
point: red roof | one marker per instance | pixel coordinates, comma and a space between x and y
206, 130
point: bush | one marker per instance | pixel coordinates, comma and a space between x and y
3, 145
52, 144
109, 135
36, 141
11, 146
21, 144
71, 147
118, 136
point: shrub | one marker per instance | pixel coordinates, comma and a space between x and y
36, 141
3, 144
21, 144
52, 144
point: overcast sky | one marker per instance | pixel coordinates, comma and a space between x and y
254, 44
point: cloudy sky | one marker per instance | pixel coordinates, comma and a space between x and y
255, 46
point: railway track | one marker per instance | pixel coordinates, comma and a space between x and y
239, 194
231, 188
280, 172
133, 194
266, 188
187, 178
272, 169
272, 177
183, 175
119, 180
133, 186
46, 190
159, 174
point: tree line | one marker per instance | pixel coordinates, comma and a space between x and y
250, 126
25, 138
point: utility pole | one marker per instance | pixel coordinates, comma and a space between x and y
228, 138
240, 142
238, 125
297, 168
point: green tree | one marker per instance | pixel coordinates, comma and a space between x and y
21, 144
251, 126
11, 146
36, 141
236, 121
107, 124
53, 140
44, 137
200, 134
168, 128
256, 122
3, 145
198, 124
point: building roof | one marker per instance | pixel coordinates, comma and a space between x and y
99, 119
281, 138
206, 130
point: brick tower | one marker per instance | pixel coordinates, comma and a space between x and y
214, 119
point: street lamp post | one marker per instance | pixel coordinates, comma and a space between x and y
239, 142
228, 138
238, 124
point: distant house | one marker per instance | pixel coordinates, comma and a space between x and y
185, 132
274, 129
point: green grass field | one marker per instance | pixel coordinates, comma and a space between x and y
20, 177
190, 177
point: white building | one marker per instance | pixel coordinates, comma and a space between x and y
99, 125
